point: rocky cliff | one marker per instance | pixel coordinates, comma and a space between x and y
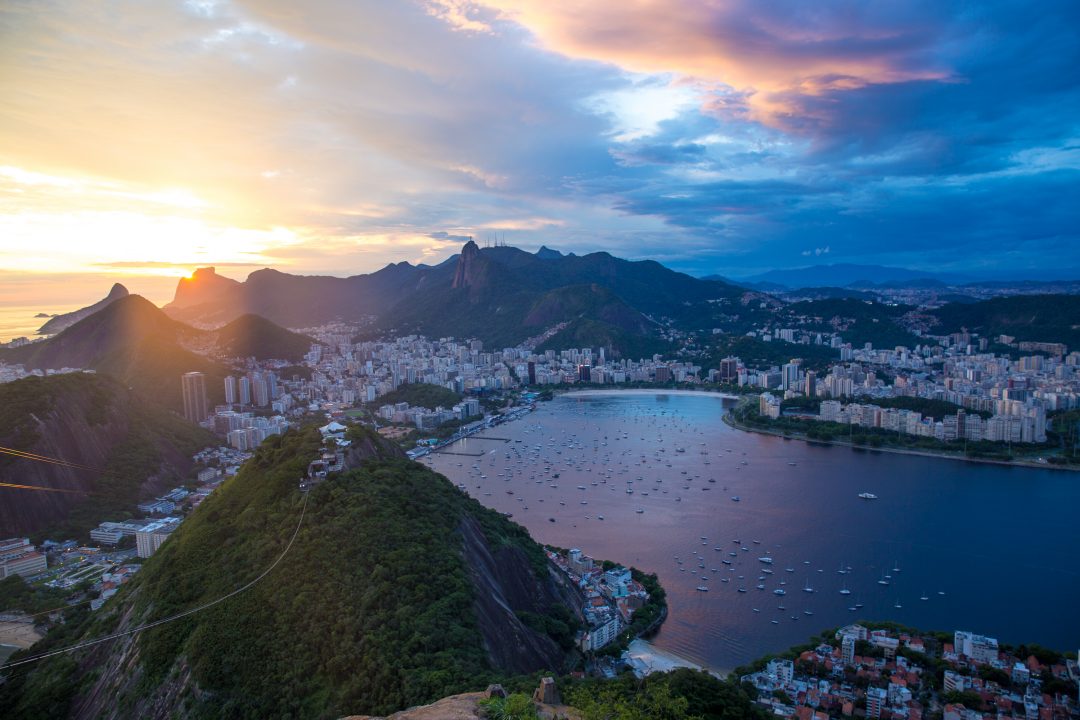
126, 451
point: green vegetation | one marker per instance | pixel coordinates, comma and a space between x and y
757, 353
372, 610
857, 321
1039, 318
17, 595
618, 342
678, 695
84, 409
512, 707
419, 395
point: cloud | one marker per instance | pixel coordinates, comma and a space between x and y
713, 136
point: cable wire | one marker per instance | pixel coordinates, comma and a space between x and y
171, 618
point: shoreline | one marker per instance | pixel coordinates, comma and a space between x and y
646, 391
645, 659
730, 421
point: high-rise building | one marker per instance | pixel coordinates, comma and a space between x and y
230, 390
193, 387
584, 373
729, 369
245, 390
811, 383
532, 372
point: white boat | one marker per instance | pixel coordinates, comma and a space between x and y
767, 560
779, 591
868, 496
702, 588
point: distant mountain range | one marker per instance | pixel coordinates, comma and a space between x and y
868, 277
845, 274
501, 295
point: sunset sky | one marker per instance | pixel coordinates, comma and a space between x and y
143, 139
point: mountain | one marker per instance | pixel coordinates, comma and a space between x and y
134, 342
1038, 318
845, 274
501, 295
93, 421
546, 253
386, 587
62, 322
255, 336
292, 300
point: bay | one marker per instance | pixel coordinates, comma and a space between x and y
993, 549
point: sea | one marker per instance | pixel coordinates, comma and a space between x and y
946, 545
22, 321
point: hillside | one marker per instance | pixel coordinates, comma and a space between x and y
62, 322
255, 336
419, 395
397, 590
858, 321
1040, 318
134, 342
95, 421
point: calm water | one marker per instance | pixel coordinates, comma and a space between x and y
993, 549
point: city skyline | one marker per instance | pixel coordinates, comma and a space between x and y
143, 142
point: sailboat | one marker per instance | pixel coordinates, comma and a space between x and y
807, 588
845, 591
924, 596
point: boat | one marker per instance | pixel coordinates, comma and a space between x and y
767, 560
734, 498
868, 496
807, 588
640, 511
924, 596
779, 591
702, 588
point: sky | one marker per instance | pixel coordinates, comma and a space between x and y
140, 140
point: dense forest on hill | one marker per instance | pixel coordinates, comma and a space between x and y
419, 395
373, 609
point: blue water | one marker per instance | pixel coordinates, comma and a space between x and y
1000, 543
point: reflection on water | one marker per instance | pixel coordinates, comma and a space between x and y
652, 481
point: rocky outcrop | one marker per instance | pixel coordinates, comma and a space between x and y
456, 707
504, 585
468, 266
62, 322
